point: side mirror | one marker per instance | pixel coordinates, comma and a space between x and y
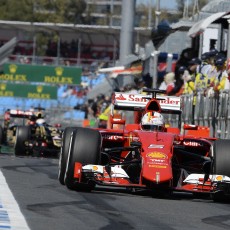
190, 127
135, 144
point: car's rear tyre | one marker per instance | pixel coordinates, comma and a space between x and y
23, 134
85, 148
221, 157
64, 153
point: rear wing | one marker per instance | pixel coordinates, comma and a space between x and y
138, 102
20, 113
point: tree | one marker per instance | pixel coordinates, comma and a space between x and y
57, 11
181, 4
142, 14
16, 10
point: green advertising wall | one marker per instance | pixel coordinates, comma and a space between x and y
28, 91
39, 73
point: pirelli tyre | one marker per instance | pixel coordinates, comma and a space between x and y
85, 148
221, 164
221, 157
23, 134
66, 135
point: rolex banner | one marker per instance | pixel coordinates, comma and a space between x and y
28, 91
39, 73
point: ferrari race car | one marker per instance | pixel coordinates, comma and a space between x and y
160, 160
32, 136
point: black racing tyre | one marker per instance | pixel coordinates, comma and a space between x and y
221, 157
23, 133
64, 153
85, 148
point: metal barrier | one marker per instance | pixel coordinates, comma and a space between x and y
211, 111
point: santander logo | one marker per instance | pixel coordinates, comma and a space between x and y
121, 97
163, 100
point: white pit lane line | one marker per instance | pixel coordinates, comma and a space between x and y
10, 214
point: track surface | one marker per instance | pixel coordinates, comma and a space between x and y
48, 205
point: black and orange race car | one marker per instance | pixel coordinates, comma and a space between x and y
29, 134
178, 158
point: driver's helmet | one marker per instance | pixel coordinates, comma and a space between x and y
153, 121
40, 121
39, 114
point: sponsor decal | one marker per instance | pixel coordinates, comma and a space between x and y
191, 143
39, 94
95, 168
152, 146
157, 155
131, 98
158, 166
121, 97
170, 101
112, 137
4, 92
157, 161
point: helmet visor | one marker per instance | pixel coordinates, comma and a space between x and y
152, 127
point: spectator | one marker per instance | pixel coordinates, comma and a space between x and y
221, 80
140, 84
207, 67
178, 88
168, 83
189, 85
201, 80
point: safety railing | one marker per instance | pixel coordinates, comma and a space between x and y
211, 111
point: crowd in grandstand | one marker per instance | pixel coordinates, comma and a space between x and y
209, 74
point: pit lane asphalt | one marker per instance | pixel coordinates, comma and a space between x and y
48, 205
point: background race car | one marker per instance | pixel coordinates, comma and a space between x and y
29, 134
12, 119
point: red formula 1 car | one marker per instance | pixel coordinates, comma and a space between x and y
162, 161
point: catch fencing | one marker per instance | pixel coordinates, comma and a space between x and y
211, 111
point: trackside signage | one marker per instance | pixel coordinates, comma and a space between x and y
39, 73
28, 91
140, 101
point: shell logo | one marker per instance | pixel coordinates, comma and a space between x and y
95, 168
219, 178
157, 155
